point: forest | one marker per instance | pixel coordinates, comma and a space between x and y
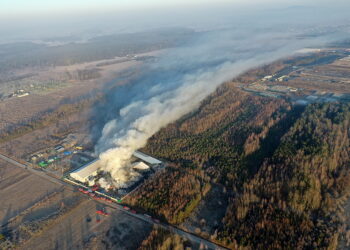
295, 199
284, 166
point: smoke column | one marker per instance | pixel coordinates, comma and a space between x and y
183, 77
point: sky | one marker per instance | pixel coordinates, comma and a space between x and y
11, 7
38, 19
34, 19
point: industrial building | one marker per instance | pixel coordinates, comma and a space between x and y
146, 158
86, 172
141, 166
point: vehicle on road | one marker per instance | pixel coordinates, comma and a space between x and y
95, 188
101, 212
83, 191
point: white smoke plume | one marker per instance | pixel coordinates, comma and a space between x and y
183, 77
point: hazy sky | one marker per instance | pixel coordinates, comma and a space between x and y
15, 9
9, 7
34, 19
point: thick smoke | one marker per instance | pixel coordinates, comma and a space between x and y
183, 77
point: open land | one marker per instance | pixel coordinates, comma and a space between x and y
21, 190
42, 98
81, 226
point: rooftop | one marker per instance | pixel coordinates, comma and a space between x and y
86, 170
140, 166
146, 158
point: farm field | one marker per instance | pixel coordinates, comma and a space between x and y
20, 190
82, 228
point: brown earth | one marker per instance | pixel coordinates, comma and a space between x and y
80, 229
20, 190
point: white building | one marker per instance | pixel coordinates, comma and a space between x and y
140, 166
146, 158
82, 174
87, 172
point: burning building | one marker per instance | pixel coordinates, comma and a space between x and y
86, 172
127, 175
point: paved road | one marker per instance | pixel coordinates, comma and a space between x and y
171, 228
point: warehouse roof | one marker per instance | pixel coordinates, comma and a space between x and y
146, 158
140, 165
86, 170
